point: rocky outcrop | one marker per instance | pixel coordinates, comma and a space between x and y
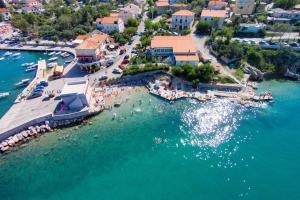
255, 74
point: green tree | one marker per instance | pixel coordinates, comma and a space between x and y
285, 4
132, 22
203, 27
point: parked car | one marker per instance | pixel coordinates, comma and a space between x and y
102, 77
126, 57
122, 67
117, 71
125, 61
43, 83
294, 44
35, 95
109, 63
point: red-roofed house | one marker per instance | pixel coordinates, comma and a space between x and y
217, 5
180, 48
91, 49
182, 19
214, 16
5, 13
110, 24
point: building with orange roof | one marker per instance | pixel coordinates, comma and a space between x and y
5, 14
27, 3
181, 49
182, 19
217, 5
214, 16
110, 24
91, 49
161, 6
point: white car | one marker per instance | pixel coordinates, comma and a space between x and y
103, 77
117, 71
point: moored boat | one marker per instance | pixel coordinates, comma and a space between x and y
8, 53
4, 94
51, 53
16, 54
23, 83
2, 58
54, 58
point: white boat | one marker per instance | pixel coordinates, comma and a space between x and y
58, 53
2, 58
27, 64
23, 82
17, 58
4, 94
8, 53
51, 53
30, 69
54, 58
52, 64
16, 54
68, 61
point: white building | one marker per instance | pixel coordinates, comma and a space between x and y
214, 16
5, 14
110, 24
244, 7
130, 11
182, 19
75, 95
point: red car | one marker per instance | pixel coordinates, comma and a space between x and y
122, 67
124, 62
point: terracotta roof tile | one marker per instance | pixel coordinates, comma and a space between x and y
107, 20
3, 10
213, 13
183, 13
217, 3
193, 57
179, 44
161, 3
93, 42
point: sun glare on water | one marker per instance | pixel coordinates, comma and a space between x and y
210, 124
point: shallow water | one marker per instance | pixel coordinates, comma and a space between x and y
185, 150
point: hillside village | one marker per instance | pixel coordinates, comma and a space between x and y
228, 38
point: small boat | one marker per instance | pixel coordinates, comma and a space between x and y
27, 64
58, 53
52, 64
30, 69
16, 54
4, 94
23, 82
8, 53
54, 58
51, 53
2, 58
17, 58
68, 61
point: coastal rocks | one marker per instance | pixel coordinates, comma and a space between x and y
255, 74
37, 130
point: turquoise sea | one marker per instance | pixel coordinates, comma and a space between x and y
186, 150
